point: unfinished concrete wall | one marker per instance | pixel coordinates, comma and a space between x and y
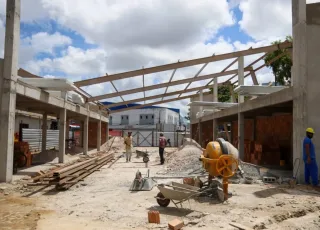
305, 75
313, 71
92, 135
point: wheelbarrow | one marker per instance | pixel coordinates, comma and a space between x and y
143, 154
177, 193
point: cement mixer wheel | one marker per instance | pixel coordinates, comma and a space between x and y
224, 166
163, 202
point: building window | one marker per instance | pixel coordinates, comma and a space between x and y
110, 120
124, 120
146, 119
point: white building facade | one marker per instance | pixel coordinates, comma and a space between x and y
166, 119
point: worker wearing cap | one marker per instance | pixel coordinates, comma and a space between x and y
309, 158
128, 143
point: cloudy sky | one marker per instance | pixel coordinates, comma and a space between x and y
79, 39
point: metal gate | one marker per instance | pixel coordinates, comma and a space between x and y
142, 138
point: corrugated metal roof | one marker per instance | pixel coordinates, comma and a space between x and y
134, 104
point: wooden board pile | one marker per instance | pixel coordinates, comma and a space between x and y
66, 176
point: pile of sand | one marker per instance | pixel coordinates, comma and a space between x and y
185, 160
115, 144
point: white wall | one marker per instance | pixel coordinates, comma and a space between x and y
134, 116
33, 122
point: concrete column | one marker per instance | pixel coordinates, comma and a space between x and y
85, 135
201, 99
86, 131
241, 76
240, 114
299, 81
215, 99
241, 135
215, 89
99, 136
44, 132
62, 134
200, 111
108, 132
8, 79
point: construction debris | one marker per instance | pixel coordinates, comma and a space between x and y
66, 176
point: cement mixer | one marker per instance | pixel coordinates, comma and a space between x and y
220, 159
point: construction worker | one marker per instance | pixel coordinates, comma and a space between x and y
162, 145
128, 143
309, 158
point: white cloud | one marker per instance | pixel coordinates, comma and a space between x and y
157, 23
270, 20
44, 42
31, 10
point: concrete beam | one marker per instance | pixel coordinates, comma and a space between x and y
8, 81
43, 96
159, 96
163, 85
181, 64
260, 102
62, 134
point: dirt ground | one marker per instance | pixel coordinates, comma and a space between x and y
103, 201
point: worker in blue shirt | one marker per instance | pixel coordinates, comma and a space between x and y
309, 158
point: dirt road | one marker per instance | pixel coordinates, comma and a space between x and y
103, 201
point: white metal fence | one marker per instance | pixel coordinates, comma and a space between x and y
149, 138
34, 139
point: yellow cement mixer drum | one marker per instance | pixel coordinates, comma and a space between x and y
218, 159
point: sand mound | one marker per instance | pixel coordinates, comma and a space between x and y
115, 144
185, 160
189, 142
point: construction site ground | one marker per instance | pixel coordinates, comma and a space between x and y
103, 201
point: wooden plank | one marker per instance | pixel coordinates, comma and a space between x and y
182, 64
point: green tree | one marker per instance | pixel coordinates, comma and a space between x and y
224, 94
281, 68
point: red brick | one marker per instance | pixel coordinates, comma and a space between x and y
175, 224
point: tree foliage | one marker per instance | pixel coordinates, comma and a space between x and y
281, 68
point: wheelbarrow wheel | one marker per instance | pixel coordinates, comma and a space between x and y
162, 202
145, 159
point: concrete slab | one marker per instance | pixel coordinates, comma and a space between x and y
49, 83
257, 90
